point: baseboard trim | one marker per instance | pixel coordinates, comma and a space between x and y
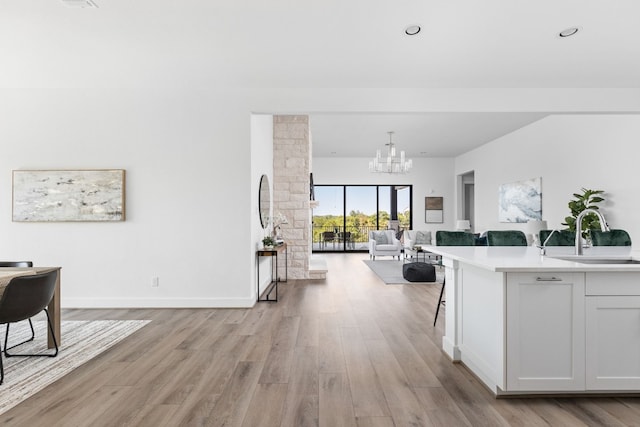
157, 302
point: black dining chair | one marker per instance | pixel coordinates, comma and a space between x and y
23, 298
451, 238
21, 264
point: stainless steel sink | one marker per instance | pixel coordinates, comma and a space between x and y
599, 260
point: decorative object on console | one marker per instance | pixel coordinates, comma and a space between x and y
520, 201
278, 220
392, 163
268, 242
433, 210
587, 200
69, 195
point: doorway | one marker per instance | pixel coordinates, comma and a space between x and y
466, 190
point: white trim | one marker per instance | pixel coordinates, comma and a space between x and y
158, 302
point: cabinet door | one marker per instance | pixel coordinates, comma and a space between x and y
613, 342
545, 332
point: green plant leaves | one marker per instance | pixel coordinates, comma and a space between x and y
588, 199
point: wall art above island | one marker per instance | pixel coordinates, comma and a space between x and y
68, 195
520, 201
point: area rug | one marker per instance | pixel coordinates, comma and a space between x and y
81, 341
390, 271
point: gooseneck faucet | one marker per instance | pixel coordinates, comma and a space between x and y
603, 227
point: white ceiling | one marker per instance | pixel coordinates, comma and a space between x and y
419, 135
191, 44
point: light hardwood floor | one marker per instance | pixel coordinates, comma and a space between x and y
348, 351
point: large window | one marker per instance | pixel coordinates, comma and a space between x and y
346, 214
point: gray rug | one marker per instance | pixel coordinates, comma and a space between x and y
390, 271
81, 341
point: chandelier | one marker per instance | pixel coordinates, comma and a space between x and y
391, 163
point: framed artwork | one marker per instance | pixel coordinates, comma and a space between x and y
520, 201
433, 210
68, 195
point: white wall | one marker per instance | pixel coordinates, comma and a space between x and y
569, 152
429, 177
187, 187
261, 163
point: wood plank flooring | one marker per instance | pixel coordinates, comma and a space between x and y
348, 351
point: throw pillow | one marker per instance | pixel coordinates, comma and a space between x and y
380, 237
423, 238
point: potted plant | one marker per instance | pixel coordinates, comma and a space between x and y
588, 199
268, 242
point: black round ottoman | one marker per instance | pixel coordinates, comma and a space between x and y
419, 272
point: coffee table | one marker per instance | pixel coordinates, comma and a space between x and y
414, 255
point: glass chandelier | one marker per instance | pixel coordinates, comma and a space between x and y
391, 163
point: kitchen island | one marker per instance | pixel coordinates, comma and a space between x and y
530, 324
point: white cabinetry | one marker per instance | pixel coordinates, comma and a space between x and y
545, 331
613, 331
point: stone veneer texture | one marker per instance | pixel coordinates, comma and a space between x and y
291, 167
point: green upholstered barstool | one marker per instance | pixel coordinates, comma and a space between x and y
506, 238
454, 238
451, 238
559, 238
610, 238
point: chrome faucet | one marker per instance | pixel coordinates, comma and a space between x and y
603, 227
543, 248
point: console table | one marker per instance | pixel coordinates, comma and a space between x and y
275, 277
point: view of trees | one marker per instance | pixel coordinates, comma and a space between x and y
358, 223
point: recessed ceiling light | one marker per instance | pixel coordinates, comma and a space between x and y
568, 32
412, 30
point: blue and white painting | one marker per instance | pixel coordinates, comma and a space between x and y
520, 201
68, 195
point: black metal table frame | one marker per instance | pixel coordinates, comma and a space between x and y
275, 278
417, 253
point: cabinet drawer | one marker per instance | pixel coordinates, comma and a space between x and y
613, 283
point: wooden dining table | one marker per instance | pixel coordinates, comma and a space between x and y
54, 305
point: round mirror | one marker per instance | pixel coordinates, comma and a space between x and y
264, 201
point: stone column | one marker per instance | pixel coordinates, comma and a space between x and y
291, 167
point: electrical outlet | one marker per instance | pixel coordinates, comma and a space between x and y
155, 282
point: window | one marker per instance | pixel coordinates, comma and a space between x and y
346, 214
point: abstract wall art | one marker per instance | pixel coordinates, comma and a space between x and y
433, 210
68, 195
520, 201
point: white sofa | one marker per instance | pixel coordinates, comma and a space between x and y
416, 237
384, 242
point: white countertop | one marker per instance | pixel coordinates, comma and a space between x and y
522, 259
